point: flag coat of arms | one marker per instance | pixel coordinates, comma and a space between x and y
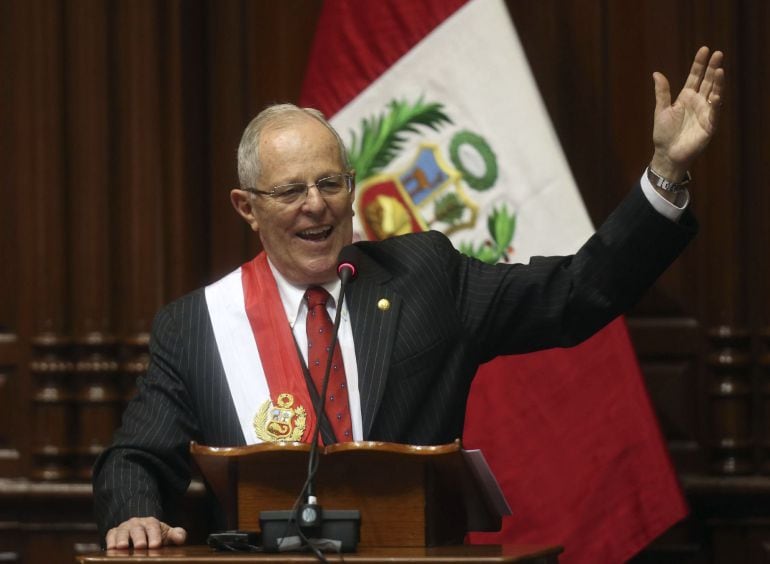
447, 131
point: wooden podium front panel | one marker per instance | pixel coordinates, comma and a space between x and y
388, 490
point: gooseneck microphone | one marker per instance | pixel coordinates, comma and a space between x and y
318, 529
346, 270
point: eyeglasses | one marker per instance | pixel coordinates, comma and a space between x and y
296, 192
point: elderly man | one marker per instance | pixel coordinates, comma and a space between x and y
421, 317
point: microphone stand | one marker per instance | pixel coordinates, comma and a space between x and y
310, 512
335, 529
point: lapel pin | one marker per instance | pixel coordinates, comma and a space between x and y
383, 304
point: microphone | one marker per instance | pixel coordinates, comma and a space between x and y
346, 267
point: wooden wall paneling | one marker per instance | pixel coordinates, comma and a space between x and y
629, 97
40, 178
730, 395
40, 162
229, 236
99, 399
729, 541
10, 411
10, 281
92, 191
759, 542
90, 176
186, 147
276, 48
46, 522
40, 166
640, 41
138, 210
139, 203
753, 88
763, 432
668, 349
743, 540
51, 371
722, 266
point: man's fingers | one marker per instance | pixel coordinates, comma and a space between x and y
155, 530
110, 539
697, 69
715, 96
122, 536
138, 535
709, 79
144, 532
662, 92
175, 535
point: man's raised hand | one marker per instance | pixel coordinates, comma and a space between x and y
682, 130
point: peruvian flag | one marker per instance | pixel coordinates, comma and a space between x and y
447, 131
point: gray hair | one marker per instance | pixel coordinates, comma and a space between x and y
277, 114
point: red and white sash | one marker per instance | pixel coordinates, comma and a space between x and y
259, 355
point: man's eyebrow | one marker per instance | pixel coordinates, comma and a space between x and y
298, 180
292, 180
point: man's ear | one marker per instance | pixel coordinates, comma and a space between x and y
353, 193
243, 202
353, 182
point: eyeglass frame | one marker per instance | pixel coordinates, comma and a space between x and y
348, 176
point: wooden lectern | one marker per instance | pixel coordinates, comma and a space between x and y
413, 502
408, 496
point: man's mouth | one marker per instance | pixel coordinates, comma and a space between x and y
315, 233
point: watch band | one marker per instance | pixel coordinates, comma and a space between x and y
665, 184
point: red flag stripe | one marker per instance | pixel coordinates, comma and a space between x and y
584, 464
354, 46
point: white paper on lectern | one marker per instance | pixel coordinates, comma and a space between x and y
489, 484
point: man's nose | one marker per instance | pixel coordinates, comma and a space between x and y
314, 201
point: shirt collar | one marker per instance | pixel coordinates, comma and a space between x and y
292, 295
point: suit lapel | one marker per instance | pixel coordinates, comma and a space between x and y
374, 311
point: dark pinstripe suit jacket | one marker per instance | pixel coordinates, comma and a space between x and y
416, 360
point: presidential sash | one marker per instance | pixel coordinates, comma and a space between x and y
259, 355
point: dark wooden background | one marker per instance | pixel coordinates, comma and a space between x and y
120, 121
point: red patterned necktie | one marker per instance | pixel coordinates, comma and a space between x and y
319, 332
